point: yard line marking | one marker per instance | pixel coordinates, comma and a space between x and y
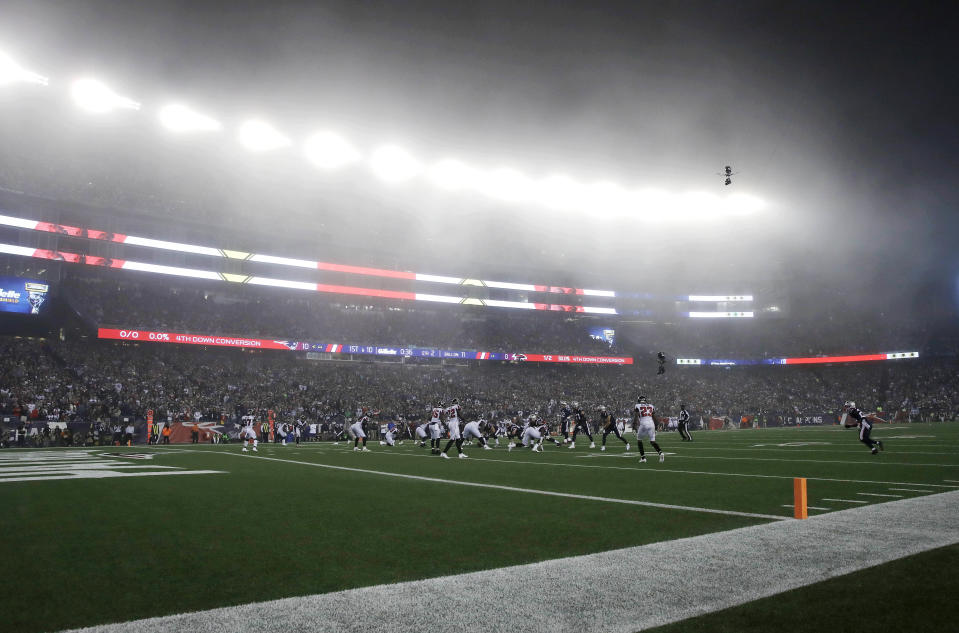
4, 470
655, 469
548, 493
106, 474
878, 494
909, 490
789, 505
845, 500
749, 563
952, 480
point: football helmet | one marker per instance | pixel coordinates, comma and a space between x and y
641, 400
575, 405
601, 408
849, 403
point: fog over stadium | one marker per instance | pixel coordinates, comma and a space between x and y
845, 131
669, 288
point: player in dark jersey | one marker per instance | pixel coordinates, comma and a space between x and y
608, 422
579, 422
565, 414
864, 421
684, 424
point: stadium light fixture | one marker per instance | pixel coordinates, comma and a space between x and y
607, 198
260, 136
393, 164
743, 204
327, 150
452, 175
12, 73
560, 192
179, 118
96, 97
507, 184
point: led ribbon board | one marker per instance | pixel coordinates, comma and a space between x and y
811, 360
125, 264
342, 348
133, 240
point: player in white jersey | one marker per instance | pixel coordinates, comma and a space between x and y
389, 439
358, 430
532, 435
436, 427
473, 429
453, 427
248, 435
644, 422
422, 432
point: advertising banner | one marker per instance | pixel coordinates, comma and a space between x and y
341, 348
23, 296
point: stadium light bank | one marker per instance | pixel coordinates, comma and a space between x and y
179, 118
394, 165
13, 73
96, 97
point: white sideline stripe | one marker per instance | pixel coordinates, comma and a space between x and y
797, 449
845, 500
816, 461
878, 494
549, 493
668, 470
748, 563
908, 490
956, 481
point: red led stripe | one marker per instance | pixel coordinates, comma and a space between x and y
75, 258
74, 231
362, 270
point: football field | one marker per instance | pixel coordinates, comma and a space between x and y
533, 541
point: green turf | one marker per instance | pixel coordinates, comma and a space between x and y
95, 551
908, 595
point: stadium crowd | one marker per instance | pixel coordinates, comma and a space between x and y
89, 380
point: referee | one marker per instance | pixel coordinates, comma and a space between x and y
684, 424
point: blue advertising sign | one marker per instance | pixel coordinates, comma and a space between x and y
24, 296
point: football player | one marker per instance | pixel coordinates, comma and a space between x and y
248, 435
389, 439
684, 424
358, 430
532, 435
644, 421
475, 430
564, 413
453, 427
422, 432
501, 430
864, 421
608, 421
436, 427
579, 422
